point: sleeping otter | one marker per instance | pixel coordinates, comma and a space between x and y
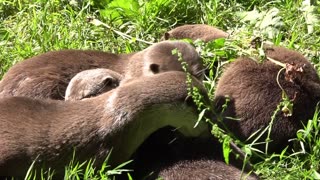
90, 83
48, 131
254, 95
47, 75
195, 31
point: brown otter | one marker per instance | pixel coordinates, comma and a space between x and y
47, 75
255, 94
47, 131
96, 81
195, 31
161, 58
157, 152
91, 83
203, 169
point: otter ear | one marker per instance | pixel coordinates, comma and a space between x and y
155, 68
166, 36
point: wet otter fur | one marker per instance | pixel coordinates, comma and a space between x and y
122, 119
195, 31
254, 96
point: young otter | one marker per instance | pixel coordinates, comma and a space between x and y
161, 58
203, 169
47, 75
90, 83
254, 95
195, 31
48, 131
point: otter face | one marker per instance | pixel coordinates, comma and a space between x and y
90, 83
161, 58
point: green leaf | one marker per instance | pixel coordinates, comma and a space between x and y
119, 9
226, 149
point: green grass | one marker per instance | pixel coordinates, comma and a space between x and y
32, 27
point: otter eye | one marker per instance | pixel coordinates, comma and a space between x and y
155, 68
108, 81
166, 36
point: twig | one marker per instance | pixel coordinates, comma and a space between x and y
276, 62
97, 22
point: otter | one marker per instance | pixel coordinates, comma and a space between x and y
203, 169
195, 31
96, 81
48, 131
157, 151
47, 75
254, 95
161, 58
90, 83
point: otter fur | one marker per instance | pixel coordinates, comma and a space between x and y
90, 83
195, 31
254, 96
203, 169
47, 75
48, 131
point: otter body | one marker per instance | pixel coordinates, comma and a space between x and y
48, 131
195, 31
254, 95
47, 75
203, 169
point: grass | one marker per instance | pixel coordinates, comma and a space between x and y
33, 27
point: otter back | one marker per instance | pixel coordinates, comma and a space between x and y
255, 94
196, 31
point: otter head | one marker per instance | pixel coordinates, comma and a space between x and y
166, 56
91, 83
170, 55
